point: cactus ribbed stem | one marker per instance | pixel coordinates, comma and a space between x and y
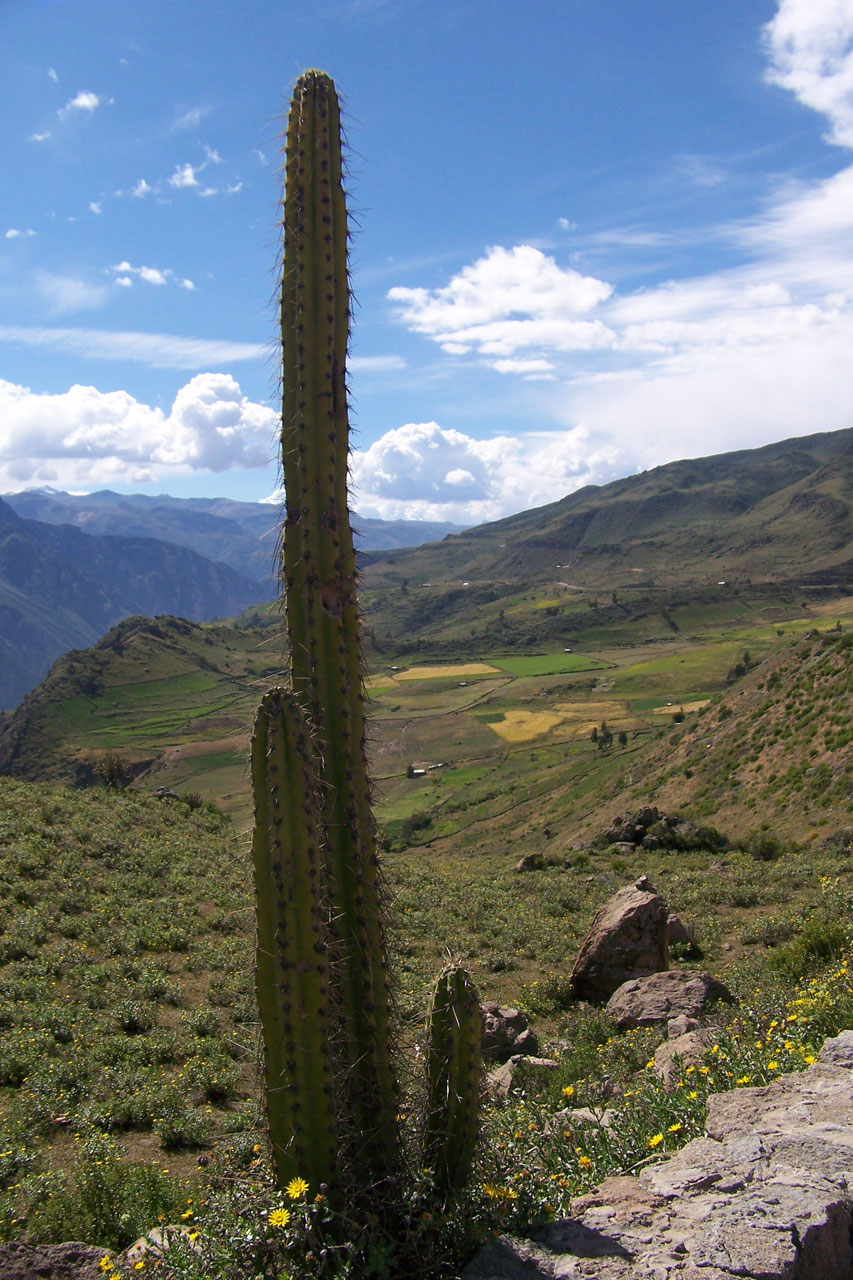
292, 964
322, 613
454, 1063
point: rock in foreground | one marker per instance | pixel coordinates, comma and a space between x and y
768, 1195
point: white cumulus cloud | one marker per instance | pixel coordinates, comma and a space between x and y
185, 176
810, 47
509, 301
422, 471
84, 436
148, 275
84, 101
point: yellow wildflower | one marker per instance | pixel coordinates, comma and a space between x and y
655, 1140
296, 1188
568, 1090
279, 1217
585, 1162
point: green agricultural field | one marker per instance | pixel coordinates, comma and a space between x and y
547, 664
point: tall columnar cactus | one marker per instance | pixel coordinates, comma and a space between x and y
321, 970
454, 1065
322, 623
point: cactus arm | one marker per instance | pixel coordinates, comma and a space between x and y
454, 1064
292, 968
319, 574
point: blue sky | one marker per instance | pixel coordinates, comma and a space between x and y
591, 236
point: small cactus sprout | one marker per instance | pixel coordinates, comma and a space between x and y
454, 1064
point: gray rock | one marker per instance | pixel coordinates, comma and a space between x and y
505, 1032
157, 1243
680, 1025
531, 862
767, 1195
687, 1050
503, 1079
71, 1261
642, 1002
677, 934
627, 939
838, 1051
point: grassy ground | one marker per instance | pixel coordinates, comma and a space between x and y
128, 1088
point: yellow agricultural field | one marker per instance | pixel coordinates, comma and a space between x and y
374, 683
449, 671
681, 706
521, 726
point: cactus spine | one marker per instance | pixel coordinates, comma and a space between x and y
454, 1065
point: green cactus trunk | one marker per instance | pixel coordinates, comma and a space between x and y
292, 964
322, 612
454, 1063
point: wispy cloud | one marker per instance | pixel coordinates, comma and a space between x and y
375, 364
158, 350
15, 234
40, 137
64, 293
51, 75
191, 119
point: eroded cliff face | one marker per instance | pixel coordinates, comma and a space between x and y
766, 1195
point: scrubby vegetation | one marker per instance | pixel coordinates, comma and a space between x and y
129, 1093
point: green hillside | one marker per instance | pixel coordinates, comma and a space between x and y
776, 514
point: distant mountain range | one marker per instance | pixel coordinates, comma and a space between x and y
243, 535
72, 566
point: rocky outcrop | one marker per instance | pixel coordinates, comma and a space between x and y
506, 1033
648, 828
767, 1195
627, 939
643, 1002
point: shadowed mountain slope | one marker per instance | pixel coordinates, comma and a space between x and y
243, 535
61, 588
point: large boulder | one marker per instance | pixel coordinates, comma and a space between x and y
642, 1002
627, 939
